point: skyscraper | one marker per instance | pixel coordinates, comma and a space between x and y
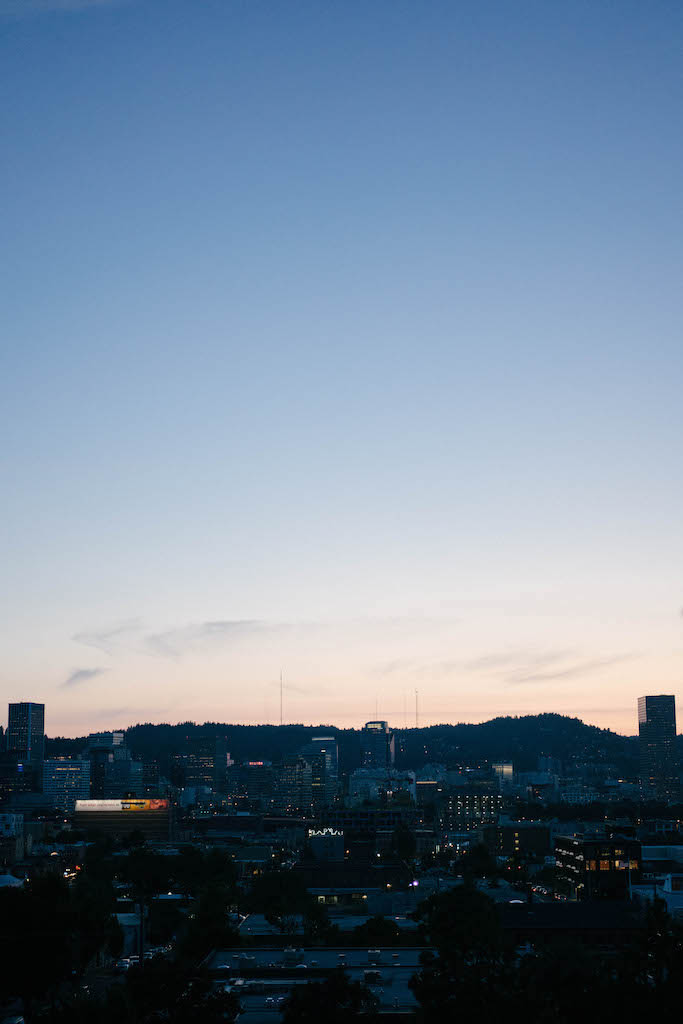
377, 746
659, 779
26, 731
323, 755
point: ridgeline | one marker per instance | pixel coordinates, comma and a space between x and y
521, 740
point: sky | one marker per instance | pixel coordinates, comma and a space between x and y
342, 341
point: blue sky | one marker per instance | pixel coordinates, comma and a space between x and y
342, 338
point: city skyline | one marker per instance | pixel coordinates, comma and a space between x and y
342, 343
408, 720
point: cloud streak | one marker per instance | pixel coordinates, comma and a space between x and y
111, 639
581, 668
173, 643
510, 668
82, 675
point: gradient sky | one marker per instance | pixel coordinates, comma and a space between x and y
342, 338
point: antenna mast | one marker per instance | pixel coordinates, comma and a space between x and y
416, 718
280, 696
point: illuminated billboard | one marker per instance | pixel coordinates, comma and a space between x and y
121, 805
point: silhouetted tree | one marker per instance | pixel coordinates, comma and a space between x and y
333, 1000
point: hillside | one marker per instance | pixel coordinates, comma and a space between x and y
520, 740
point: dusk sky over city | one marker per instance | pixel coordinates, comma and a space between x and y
342, 340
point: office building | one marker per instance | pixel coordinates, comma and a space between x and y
18, 777
113, 772
323, 756
591, 867
26, 731
294, 789
377, 746
518, 839
207, 762
659, 768
252, 783
151, 779
65, 781
504, 773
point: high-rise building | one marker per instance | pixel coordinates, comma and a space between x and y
113, 772
26, 731
66, 781
251, 783
294, 792
659, 769
377, 746
322, 754
207, 762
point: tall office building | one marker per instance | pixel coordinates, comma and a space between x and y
66, 781
113, 772
26, 731
323, 756
207, 762
294, 789
659, 769
377, 746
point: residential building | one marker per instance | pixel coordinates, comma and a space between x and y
468, 809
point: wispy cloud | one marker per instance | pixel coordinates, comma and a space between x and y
512, 668
172, 643
111, 638
195, 637
176, 641
82, 675
581, 668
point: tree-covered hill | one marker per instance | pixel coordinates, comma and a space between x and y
521, 740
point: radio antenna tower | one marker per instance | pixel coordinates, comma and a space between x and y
416, 717
280, 696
